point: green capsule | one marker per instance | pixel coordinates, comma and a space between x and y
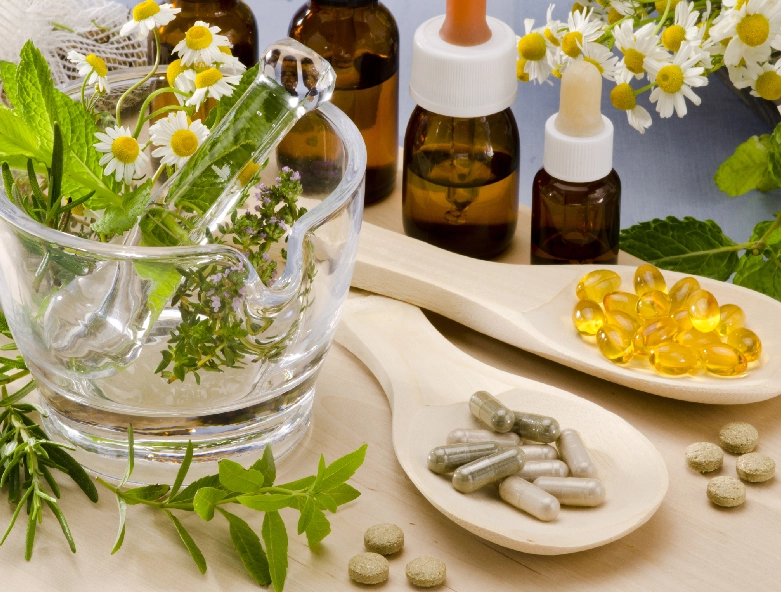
537, 428
491, 412
489, 469
446, 459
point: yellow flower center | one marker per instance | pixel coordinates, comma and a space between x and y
174, 69
623, 97
673, 36
556, 73
246, 174
769, 86
207, 78
661, 6
670, 78
97, 64
602, 3
184, 143
144, 10
753, 29
520, 71
596, 64
577, 7
125, 149
740, 4
633, 60
614, 16
572, 43
198, 37
226, 50
532, 47
551, 37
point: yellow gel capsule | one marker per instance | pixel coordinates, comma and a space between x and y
598, 284
649, 278
588, 317
723, 359
704, 311
691, 337
627, 322
615, 344
746, 342
653, 304
682, 318
674, 359
680, 292
654, 333
731, 317
620, 301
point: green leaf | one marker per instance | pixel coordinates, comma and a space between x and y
20, 504
147, 493
8, 78
225, 104
326, 502
266, 502
121, 531
188, 493
74, 470
774, 239
774, 155
206, 500
318, 528
131, 454
63, 524
342, 469
343, 494
688, 246
182, 473
17, 139
234, 477
119, 219
189, 543
266, 466
275, 536
299, 484
307, 512
759, 273
746, 168
247, 545
35, 91
32, 523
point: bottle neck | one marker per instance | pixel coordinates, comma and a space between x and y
342, 3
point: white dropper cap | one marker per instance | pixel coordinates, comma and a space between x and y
579, 139
463, 63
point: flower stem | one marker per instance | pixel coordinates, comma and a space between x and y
142, 118
141, 82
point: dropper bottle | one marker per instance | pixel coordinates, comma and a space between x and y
461, 149
576, 196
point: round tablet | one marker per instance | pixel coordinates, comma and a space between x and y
426, 572
738, 437
384, 539
368, 568
704, 457
727, 492
756, 467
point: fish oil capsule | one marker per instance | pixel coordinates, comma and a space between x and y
723, 360
536, 452
615, 344
649, 278
746, 342
529, 498
731, 317
621, 301
587, 316
573, 452
653, 304
704, 311
467, 436
537, 428
696, 339
543, 468
491, 412
680, 292
683, 319
597, 284
674, 359
574, 491
654, 333
489, 469
446, 459
628, 322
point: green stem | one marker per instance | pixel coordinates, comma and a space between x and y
646, 88
142, 118
772, 229
664, 17
729, 249
141, 82
170, 108
84, 86
61, 27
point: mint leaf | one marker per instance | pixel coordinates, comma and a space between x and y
8, 79
147, 493
774, 239
17, 139
266, 502
234, 477
115, 219
746, 168
247, 545
688, 246
266, 466
275, 536
188, 493
189, 543
318, 528
307, 513
225, 104
35, 94
774, 155
342, 469
205, 501
343, 494
760, 273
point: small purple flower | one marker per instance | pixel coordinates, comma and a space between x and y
214, 278
237, 302
250, 230
257, 208
286, 169
215, 303
266, 257
266, 201
295, 176
243, 291
278, 180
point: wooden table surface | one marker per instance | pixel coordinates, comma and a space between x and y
688, 545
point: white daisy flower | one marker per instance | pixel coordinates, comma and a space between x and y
623, 97
535, 54
684, 27
213, 82
230, 61
149, 15
601, 57
675, 80
177, 138
640, 48
625, 7
201, 45
753, 30
554, 30
92, 66
766, 82
123, 155
583, 29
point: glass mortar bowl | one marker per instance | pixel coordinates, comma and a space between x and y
235, 412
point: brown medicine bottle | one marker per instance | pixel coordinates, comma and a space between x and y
361, 41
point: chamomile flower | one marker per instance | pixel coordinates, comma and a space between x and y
624, 98
583, 29
212, 82
177, 138
149, 15
92, 66
626, 7
601, 57
674, 82
753, 30
554, 30
230, 61
640, 48
766, 84
201, 44
684, 28
123, 155
535, 53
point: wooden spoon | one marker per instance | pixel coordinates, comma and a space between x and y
428, 382
530, 307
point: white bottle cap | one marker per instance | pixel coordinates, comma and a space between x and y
578, 159
466, 82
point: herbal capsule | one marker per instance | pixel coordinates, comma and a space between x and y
683, 319
597, 284
746, 342
615, 344
696, 339
731, 317
674, 359
704, 311
654, 333
489, 469
648, 278
539, 452
680, 292
628, 322
723, 360
543, 468
446, 459
573, 491
467, 436
587, 317
653, 304
491, 412
573, 452
537, 428
621, 301
529, 498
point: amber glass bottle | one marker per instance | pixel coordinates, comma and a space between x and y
460, 187
361, 40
